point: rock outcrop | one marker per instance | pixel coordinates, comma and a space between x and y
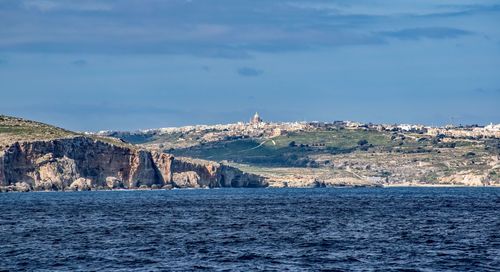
81, 184
466, 178
213, 174
189, 179
83, 163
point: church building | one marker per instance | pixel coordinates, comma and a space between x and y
255, 119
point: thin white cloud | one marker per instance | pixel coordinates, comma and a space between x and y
384, 8
48, 6
43, 6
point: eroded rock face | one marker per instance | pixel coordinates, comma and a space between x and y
466, 178
82, 163
189, 179
143, 171
22, 187
58, 164
213, 174
54, 173
81, 184
163, 163
3, 182
114, 183
206, 170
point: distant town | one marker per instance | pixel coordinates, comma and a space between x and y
257, 127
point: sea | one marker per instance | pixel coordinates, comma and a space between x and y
321, 229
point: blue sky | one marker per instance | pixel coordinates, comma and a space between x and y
131, 64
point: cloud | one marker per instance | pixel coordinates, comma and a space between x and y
228, 29
48, 6
464, 10
249, 72
41, 5
427, 32
79, 62
481, 91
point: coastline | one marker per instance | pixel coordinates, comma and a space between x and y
388, 186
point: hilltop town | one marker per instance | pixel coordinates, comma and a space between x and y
338, 153
257, 128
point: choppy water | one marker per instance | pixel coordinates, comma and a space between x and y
253, 229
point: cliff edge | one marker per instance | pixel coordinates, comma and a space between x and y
64, 160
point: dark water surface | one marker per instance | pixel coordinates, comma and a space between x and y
427, 229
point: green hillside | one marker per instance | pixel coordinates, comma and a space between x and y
295, 149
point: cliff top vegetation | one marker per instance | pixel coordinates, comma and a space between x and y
15, 129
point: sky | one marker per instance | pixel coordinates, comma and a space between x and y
134, 64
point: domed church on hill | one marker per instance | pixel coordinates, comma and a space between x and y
255, 119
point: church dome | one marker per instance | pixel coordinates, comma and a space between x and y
256, 119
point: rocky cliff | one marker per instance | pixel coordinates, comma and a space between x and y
212, 174
83, 163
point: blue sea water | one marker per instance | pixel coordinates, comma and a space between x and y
358, 229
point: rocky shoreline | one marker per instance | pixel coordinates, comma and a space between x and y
22, 189
82, 163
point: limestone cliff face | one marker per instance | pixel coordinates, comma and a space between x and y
3, 182
213, 174
163, 162
82, 163
56, 164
